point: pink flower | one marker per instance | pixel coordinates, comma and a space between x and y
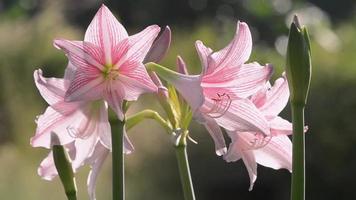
218, 95
275, 150
108, 63
81, 126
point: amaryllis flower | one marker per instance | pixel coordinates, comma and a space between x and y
109, 62
275, 150
218, 95
82, 127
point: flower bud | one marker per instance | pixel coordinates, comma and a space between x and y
160, 47
298, 66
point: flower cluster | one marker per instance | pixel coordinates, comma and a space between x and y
108, 68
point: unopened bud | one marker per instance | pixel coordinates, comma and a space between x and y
298, 66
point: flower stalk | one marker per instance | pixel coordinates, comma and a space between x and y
298, 69
183, 165
118, 175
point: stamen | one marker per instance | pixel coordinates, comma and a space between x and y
221, 105
259, 141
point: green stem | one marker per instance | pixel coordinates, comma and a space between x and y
184, 171
298, 175
65, 172
150, 114
118, 178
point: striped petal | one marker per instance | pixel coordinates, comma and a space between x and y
51, 89
217, 135
135, 80
276, 98
83, 55
276, 154
106, 32
54, 121
236, 53
140, 43
242, 81
47, 170
96, 161
242, 115
203, 53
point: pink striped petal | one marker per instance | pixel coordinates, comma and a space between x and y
51, 89
159, 47
96, 161
115, 97
83, 87
69, 72
276, 154
135, 80
47, 170
106, 32
104, 128
84, 148
203, 53
217, 135
280, 126
242, 81
140, 43
236, 53
128, 147
276, 98
242, 115
83, 55
251, 166
54, 121
234, 152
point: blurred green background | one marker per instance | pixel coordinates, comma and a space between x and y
28, 27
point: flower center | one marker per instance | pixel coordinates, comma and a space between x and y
110, 73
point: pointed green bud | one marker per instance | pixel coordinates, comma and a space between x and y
64, 168
298, 67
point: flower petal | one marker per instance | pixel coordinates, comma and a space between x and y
54, 121
104, 128
84, 87
233, 153
236, 53
217, 135
159, 47
276, 154
187, 85
242, 115
276, 98
280, 126
47, 169
69, 72
135, 80
96, 161
181, 66
115, 98
251, 166
51, 89
128, 147
203, 53
83, 55
140, 43
106, 32
242, 81
84, 148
